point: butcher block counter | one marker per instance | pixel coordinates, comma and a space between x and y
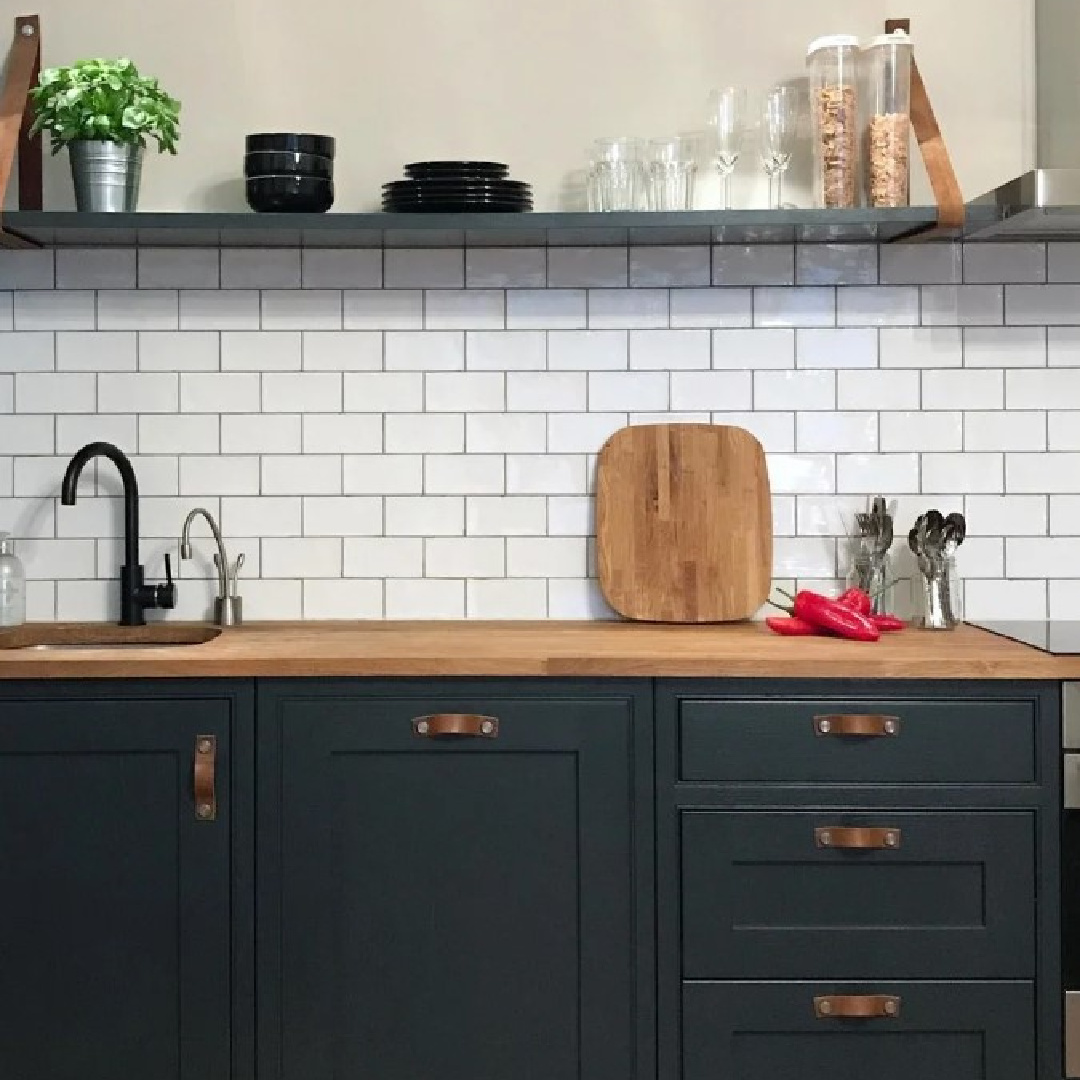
510, 649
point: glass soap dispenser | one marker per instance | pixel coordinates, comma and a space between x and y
12, 584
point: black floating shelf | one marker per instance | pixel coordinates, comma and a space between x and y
70, 229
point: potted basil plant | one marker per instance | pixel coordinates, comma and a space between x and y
104, 111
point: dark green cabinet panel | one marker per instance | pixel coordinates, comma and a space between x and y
461, 909
774, 740
945, 1031
115, 940
955, 898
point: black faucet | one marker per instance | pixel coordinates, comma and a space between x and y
135, 596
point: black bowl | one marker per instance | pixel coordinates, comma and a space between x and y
299, 144
419, 170
287, 163
290, 194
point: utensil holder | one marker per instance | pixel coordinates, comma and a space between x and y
873, 574
941, 606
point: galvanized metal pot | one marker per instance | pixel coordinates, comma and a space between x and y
106, 175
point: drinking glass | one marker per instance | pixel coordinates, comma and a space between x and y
779, 130
616, 175
671, 169
727, 113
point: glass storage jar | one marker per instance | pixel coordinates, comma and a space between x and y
833, 64
887, 62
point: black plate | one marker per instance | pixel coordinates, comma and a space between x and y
448, 183
423, 169
458, 196
298, 143
458, 208
287, 163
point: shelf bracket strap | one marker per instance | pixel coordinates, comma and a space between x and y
16, 116
935, 155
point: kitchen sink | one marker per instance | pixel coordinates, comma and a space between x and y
64, 637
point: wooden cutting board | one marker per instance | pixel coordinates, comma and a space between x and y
684, 523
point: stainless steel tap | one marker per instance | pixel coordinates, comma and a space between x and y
228, 606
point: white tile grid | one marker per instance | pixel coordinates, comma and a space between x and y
425, 449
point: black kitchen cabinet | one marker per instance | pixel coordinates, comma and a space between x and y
117, 953
470, 906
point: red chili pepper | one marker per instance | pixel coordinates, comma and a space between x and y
887, 622
834, 617
858, 600
789, 626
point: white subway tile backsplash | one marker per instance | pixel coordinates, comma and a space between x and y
613, 391
7, 393
877, 305
337, 433
1049, 305
340, 268
179, 268
721, 307
68, 309
1005, 515
545, 556
26, 269
572, 267
158, 475
806, 306
577, 598
308, 557
836, 432
464, 474
424, 268
425, 433
921, 264
141, 309
74, 432
220, 392
341, 350
505, 268
232, 309
587, 350
791, 390
505, 350
425, 599
442, 350
33, 350
425, 515
95, 268
804, 557
966, 474
545, 391
1042, 557
828, 348
384, 391
464, 309
1063, 430
223, 475
1051, 473
669, 267
498, 598
251, 433
293, 474
836, 264
343, 599
86, 350
722, 391
301, 309
802, 474
7, 311
827, 515
546, 474
668, 350
571, 515
999, 430
383, 309
753, 264
272, 599
474, 391
260, 268
579, 433
303, 392
60, 560
1005, 346
262, 515
516, 433
774, 430
1063, 345
753, 350
963, 390
145, 392
939, 432
1046, 389
1064, 519
510, 515
47, 392
963, 305
464, 557
246, 350
383, 557
871, 474
383, 474
1063, 262
181, 434
1004, 263
937, 347
611, 309
190, 350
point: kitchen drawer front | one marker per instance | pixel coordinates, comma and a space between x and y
954, 898
899, 741
943, 1031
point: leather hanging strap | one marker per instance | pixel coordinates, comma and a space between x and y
16, 116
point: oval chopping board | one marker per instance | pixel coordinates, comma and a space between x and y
684, 523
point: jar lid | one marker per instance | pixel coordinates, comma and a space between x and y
833, 41
6, 546
897, 37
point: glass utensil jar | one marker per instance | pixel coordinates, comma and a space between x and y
616, 175
887, 61
834, 113
671, 170
871, 571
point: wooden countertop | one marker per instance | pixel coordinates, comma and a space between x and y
531, 648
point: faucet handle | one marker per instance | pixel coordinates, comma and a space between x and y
165, 595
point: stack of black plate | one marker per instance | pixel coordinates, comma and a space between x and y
456, 187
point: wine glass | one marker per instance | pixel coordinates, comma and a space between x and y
779, 130
727, 112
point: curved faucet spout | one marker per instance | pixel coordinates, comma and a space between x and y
70, 485
223, 559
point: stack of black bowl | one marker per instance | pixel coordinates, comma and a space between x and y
289, 173
457, 187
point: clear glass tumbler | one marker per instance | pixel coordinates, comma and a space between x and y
671, 172
616, 175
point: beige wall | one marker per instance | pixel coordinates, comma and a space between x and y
529, 83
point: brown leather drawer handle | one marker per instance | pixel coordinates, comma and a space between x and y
856, 1007
456, 726
867, 725
206, 777
862, 838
